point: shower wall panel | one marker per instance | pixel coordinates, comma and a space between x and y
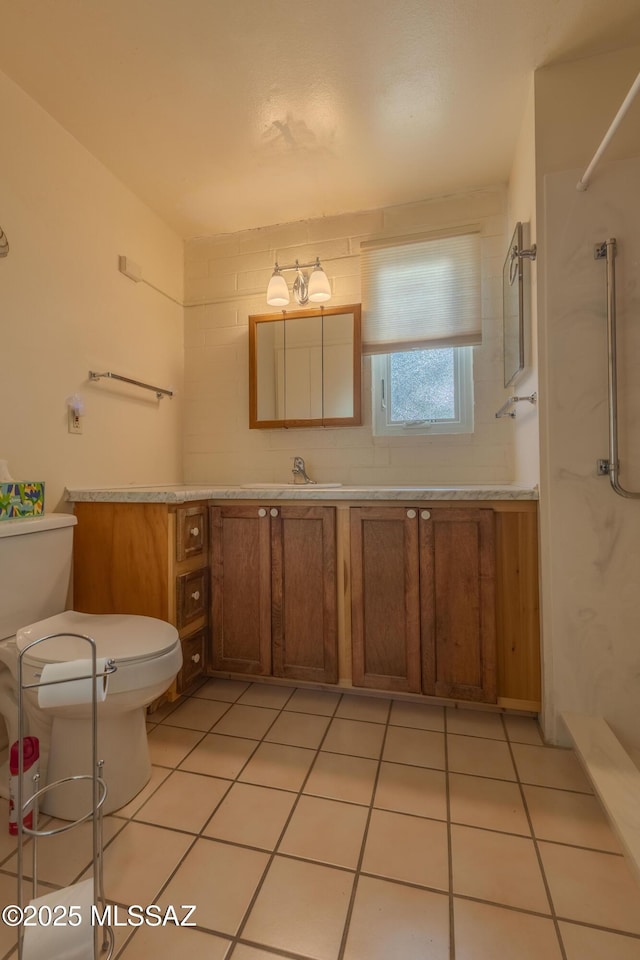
590, 536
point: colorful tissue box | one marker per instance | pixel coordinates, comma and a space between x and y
21, 500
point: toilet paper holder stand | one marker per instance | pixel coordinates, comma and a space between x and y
104, 949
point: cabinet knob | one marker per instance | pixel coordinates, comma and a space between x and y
262, 512
196, 658
411, 514
273, 512
194, 531
195, 595
425, 514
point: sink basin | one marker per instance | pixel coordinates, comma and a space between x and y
287, 486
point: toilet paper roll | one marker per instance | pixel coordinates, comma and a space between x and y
74, 941
78, 685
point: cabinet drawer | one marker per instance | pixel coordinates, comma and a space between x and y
191, 532
192, 596
193, 654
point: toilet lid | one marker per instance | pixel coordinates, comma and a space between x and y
118, 636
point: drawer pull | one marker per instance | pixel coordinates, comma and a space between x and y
426, 514
273, 512
195, 595
196, 658
262, 512
194, 531
411, 514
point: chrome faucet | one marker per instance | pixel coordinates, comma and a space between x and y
299, 472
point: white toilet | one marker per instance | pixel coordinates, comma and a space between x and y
35, 568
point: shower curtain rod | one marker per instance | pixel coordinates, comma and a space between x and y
583, 182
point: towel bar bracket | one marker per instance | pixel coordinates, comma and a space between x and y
600, 249
505, 412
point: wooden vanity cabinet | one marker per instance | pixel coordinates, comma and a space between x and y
423, 601
149, 559
273, 591
444, 605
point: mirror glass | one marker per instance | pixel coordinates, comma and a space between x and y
304, 368
513, 308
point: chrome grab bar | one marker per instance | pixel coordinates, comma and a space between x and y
611, 467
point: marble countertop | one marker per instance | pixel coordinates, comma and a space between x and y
183, 493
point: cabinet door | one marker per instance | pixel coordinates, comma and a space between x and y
304, 619
385, 605
240, 589
457, 586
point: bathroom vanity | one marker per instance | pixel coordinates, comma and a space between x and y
419, 591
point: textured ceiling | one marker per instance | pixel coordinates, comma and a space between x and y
227, 114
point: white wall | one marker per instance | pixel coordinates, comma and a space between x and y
65, 309
226, 277
589, 536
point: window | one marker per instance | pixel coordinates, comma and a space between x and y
422, 315
423, 391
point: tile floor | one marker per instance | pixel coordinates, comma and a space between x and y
313, 824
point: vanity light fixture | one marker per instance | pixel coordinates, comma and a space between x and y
314, 288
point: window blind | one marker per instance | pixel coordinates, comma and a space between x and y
420, 293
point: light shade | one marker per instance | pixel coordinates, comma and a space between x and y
319, 289
277, 291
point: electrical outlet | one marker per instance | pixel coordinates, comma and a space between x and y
75, 421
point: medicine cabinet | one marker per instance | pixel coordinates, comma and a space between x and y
305, 368
516, 293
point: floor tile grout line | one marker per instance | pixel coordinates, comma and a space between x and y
273, 854
235, 779
173, 769
159, 893
402, 883
176, 768
199, 835
544, 916
403, 726
297, 956
257, 849
129, 820
135, 816
212, 730
537, 852
365, 836
266, 948
452, 931
461, 773
317, 751
595, 926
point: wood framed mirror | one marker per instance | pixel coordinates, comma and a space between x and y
305, 368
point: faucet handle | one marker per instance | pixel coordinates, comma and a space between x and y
299, 471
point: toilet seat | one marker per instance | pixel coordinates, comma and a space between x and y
127, 639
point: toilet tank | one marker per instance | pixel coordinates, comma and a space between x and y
35, 569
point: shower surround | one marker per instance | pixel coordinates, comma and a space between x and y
590, 537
